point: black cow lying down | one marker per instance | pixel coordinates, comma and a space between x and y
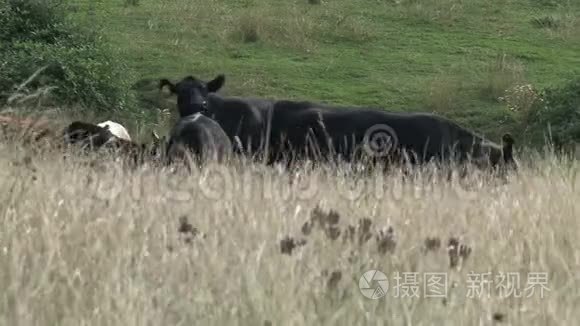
320, 130
353, 133
199, 136
91, 136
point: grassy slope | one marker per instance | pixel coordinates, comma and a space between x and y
435, 55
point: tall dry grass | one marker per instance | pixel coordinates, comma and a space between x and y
500, 75
445, 91
295, 25
84, 242
444, 12
561, 22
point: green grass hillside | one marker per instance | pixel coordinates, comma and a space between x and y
453, 57
481, 63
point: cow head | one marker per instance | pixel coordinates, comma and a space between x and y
192, 93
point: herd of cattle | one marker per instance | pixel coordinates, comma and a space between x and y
212, 126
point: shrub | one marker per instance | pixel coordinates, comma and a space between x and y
84, 69
548, 21
34, 20
521, 98
131, 2
249, 27
558, 113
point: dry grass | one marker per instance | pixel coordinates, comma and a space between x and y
445, 93
88, 243
131, 2
561, 23
286, 26
445, 12
293, 25
500, 75
249, 27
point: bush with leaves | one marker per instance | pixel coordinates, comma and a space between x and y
556, 117
82, 67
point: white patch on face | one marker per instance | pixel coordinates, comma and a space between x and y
116, 129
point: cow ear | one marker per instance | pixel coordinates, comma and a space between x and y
215, 84
165, 82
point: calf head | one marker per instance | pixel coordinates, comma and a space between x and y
192, 93
83, 133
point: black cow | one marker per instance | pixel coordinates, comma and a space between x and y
352, 133
201, 136
242, 119
325, 131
